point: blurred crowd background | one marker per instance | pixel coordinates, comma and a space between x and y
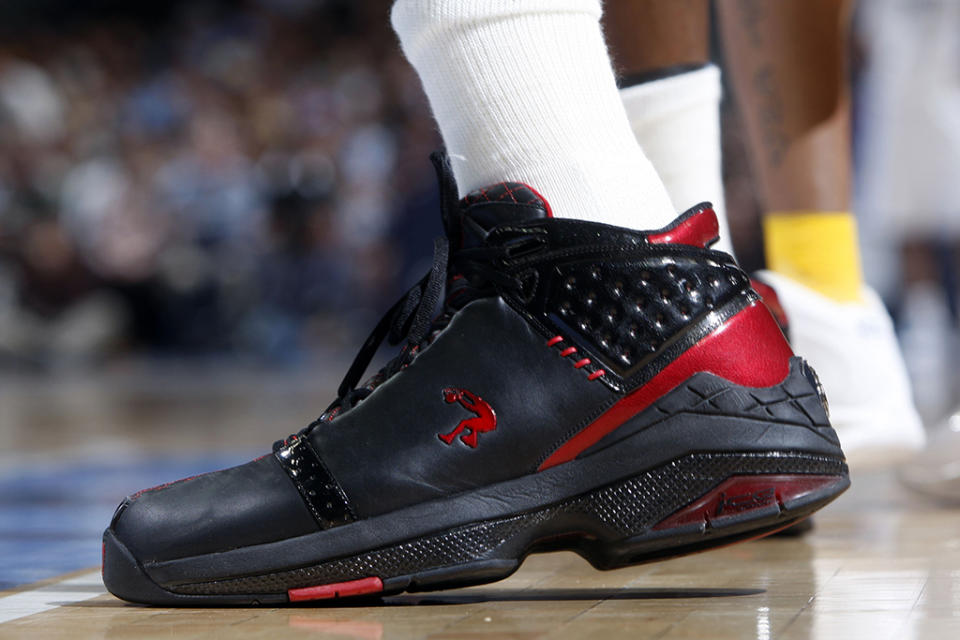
249, 180
212, 178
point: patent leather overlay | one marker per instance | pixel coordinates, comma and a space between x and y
626, 310
621, 301
320, 490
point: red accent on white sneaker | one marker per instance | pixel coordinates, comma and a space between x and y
699, 230
749, 350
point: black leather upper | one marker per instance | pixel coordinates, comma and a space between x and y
245, 505
591, 312
321, 492
591, 284
386, 452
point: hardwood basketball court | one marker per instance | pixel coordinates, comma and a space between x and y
880, 563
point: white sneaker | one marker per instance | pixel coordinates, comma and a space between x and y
936, 471
853, 348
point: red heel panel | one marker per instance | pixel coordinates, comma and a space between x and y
697, 229
749, 350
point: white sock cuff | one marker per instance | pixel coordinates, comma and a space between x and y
523, 90
662, 98
677, 122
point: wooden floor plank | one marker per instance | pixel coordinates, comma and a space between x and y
863, 573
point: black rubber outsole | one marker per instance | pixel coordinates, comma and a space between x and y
619, 525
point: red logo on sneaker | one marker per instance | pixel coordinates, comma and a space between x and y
484, 420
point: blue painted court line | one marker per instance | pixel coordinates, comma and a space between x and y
52, 516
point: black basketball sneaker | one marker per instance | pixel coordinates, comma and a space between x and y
561, 385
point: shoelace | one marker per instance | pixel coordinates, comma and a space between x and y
409, 319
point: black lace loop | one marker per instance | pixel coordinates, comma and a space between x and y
449, 200
426, 299
409, 318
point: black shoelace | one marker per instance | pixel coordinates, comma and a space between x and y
410, 320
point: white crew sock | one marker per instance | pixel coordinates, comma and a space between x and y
524, 91
676, 120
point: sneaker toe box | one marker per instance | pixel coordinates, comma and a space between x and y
250, 504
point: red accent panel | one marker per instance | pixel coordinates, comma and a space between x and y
748, 350
568, 351
554, 340
745, 493
336, 590
772, 300
698, 230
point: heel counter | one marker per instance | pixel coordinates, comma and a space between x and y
748, 349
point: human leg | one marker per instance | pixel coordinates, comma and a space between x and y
661, 50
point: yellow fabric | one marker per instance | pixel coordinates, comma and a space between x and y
819, 249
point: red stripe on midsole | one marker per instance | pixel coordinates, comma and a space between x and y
749, 350
336, 589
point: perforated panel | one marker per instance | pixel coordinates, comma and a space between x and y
626, 311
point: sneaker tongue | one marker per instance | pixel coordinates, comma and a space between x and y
484, 209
